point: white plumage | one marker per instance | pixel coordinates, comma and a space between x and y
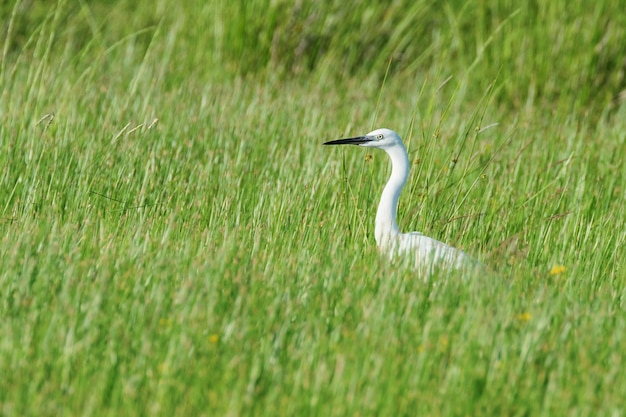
427, 252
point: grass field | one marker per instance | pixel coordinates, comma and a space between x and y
176, 241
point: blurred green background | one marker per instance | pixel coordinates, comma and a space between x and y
174, 240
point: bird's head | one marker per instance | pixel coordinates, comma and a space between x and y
379, 138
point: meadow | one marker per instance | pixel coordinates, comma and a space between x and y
175, 240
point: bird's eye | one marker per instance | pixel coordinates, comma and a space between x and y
379, 137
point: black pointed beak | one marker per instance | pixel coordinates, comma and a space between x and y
349, 141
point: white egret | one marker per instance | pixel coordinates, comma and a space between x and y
427, 251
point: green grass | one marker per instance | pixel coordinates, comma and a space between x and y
174, 240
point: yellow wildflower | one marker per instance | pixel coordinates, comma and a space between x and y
557, 270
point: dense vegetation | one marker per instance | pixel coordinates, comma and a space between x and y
176, 241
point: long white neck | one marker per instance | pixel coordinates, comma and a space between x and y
386, 227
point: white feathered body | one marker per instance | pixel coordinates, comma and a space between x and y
423, 252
